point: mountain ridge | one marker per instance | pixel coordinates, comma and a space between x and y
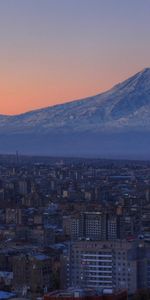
122, 110
79, 99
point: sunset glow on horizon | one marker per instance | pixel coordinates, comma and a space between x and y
54, 52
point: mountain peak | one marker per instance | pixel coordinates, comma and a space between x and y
145, 73
146, 70
126, 104
144, 76
123, 109
140, 82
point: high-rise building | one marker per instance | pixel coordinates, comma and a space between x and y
87, 225
93, 225
101, 265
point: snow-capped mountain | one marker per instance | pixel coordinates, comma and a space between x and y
125, 109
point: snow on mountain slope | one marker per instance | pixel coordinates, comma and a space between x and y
125, 107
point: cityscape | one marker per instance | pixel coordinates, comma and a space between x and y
74, 150
74, 227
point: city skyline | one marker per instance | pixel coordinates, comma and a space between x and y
53, 53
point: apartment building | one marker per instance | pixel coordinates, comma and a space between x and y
101, 265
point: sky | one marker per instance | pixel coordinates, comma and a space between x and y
54, 51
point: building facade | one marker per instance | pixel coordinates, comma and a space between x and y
101, 265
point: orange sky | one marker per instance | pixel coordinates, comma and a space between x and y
20, 95
57, 51
25, 92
